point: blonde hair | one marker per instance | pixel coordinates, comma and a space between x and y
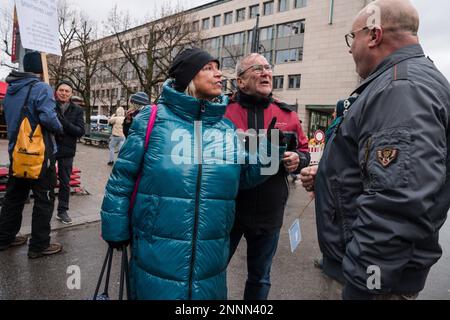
191, 90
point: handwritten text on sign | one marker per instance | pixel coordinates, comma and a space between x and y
38, 23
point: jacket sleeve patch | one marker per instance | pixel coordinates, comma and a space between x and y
388, 162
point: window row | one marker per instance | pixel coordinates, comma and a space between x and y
282, 30
294, 82
251, 12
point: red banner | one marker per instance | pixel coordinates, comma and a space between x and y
15, 39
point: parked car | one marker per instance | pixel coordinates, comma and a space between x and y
100, 124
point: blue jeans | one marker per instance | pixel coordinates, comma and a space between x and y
261, 249
113, 143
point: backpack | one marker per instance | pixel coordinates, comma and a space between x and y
29, 156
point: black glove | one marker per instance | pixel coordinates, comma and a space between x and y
282, 141
118, 245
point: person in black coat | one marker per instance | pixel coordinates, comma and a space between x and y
72, 119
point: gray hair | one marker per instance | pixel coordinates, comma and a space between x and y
242, 63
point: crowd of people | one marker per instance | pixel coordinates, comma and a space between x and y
380, 189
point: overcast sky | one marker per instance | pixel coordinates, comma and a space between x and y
434, 35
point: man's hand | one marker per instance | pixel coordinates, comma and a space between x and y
291, 161
307, 177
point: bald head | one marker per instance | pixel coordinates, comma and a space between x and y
397, 16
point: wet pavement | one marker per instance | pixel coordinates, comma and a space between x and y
293, 274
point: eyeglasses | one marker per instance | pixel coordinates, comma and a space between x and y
257, 68
350, 36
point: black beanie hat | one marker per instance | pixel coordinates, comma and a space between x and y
187, 64
32, 62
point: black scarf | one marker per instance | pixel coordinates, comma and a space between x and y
250, 102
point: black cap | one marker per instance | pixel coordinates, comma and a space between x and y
67, 83
32, 62
187, 64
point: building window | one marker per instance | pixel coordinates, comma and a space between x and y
233, 84
234, 39
294, 81
266, 34
268, 8
283, 5
240, 15
224, 85
211, 44
299, 3
229, 62
254, 10
216, 21
228, 18
195, 26
291, 29
205, 24
278, 83
268, 55
289, 55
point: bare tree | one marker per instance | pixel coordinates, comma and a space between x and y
84, 61
149, 50
6, 32
67, 23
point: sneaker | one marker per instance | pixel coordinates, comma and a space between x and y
64, 218
318, 263
53, 248
18, 241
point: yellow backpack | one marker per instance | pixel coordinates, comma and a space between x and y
28, 156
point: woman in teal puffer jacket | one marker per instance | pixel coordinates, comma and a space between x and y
184, 209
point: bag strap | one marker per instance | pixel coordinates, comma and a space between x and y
22, 111
106, 263
150, 125
124, 275
25, 103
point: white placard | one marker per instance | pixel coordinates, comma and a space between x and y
38, 24
295, 235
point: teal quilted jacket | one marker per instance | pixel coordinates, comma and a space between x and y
184, 210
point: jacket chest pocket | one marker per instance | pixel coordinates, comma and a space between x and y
387, 160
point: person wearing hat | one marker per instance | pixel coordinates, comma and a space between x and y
189, 178
77, 100
40, 110
71, 117
137, 102
338, 115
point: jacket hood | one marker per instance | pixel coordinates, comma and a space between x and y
17, 80
120, 112
191, 108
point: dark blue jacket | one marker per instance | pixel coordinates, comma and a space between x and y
383, 186
42, 105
